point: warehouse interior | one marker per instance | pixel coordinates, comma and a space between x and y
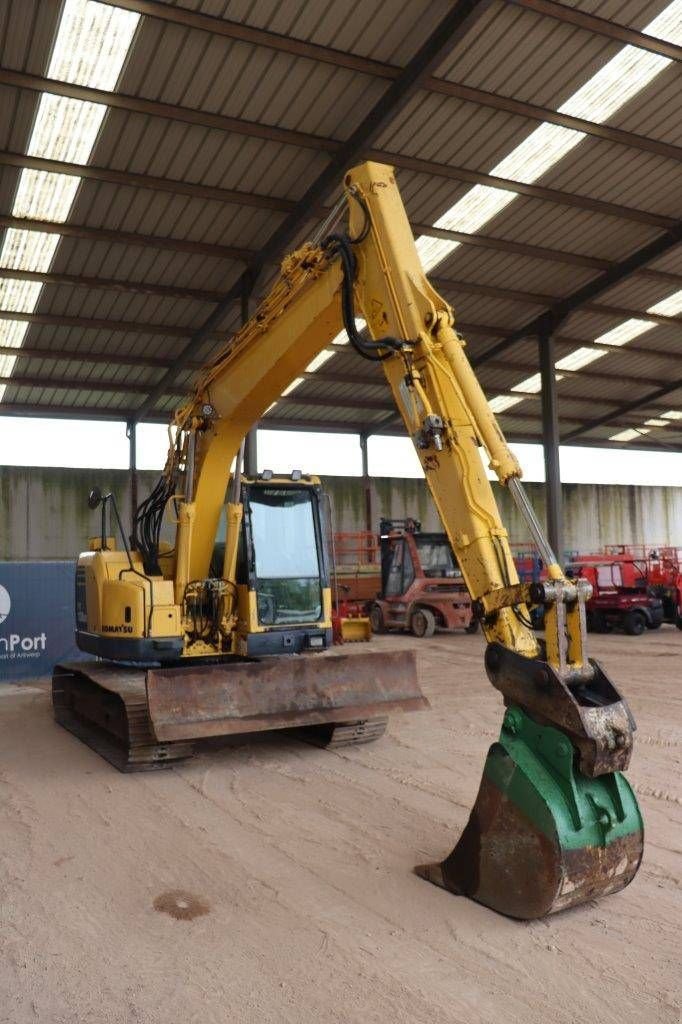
159, 161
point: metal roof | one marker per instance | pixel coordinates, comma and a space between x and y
226, 114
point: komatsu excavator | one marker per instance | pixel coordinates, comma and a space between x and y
555, 823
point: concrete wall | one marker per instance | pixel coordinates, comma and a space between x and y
44, 513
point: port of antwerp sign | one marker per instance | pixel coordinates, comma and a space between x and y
36, 618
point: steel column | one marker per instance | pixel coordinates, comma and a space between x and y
131, 434
550, 444
251, 439
366, 484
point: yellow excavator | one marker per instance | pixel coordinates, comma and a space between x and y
555, 823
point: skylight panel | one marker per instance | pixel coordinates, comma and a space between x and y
656, 423
626, 74
668, 24
581, 357
537, 153
672, 414
92, 42
533, 385
630, 434
45, 196
342, 338
625, 332
65, 128
320, 359
291, 387
18, 296
503, 402
475, 209
28, 250
433, 251
668, 307
598, 99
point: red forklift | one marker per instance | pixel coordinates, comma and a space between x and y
665, 579
621, 595
422, 588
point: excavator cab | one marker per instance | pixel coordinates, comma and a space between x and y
283, 567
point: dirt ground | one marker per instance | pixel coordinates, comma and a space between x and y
290, 869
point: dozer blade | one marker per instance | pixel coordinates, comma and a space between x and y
541, 836
280, 693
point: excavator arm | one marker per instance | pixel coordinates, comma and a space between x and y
554, 823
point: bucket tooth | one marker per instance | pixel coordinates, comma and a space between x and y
542, 837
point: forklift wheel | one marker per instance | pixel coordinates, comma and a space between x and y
376, 619
634, 623
423, 622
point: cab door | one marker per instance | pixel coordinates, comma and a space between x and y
399, 579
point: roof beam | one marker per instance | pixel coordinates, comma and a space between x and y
178, 331
446, 284
73, 412
195, 190
462, 15
378, 69
246, 255
548, 322
600, 26
96, 385
169, 111
85, 358
92, 385
288, 137
163, 291
542, 114
325, 54
328, 376
540, 192
429, 167
243, 255
625, 408
537, 299
68, 230
96, 324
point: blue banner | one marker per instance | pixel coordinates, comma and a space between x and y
37, 621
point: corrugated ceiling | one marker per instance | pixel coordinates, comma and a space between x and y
143, 297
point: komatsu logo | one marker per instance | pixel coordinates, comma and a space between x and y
117, 629
5, 603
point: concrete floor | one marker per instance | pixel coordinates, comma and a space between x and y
300, 862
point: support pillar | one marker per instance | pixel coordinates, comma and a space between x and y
250, 467
366, 486
550, 444
131, 434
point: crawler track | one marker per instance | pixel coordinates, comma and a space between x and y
105, 706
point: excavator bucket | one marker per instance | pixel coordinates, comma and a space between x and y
143, 719
541, 836
352, 629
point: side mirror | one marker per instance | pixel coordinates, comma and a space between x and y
94, 498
